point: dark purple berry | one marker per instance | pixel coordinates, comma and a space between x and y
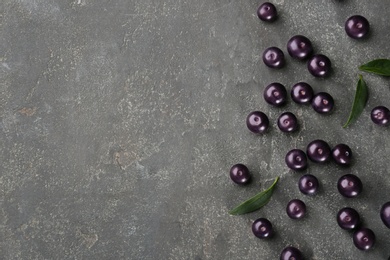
319, 65
267, 12
299, 47
302, 93
380, 115
291, 253
318, 151
257, 122
296, 209
322, 103
239, 173
308, 184
348, 218
357, 27
288, 122
296, 160
342, 154
275, 94
262, 228
349, 185
273, 57
364, 238
385, 214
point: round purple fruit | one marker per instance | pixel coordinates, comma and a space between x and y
318, 151
262, 228
275, 94
267, 12
308, 184
349, 185
291, 253
348, 218
239, 173
257, 122
364, 239
385, 214
299, 47
296, 160
322, 103
302, 93
357, 27
288, 122
273, 57
380, 115
319, 65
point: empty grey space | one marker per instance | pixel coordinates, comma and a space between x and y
120, 120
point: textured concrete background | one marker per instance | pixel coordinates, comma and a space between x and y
120, 119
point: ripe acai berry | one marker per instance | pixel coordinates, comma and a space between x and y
257, 122
288, 122
322, 103
357, 27
318, 151
239, 173
308, 184
380, 115
342, 154
349, 185
364, 238
291, 253
296, 209
273, 57
296, 160
385, 214
319, 65
262, 228
267, 12
302, 93
275, 94
299, 47
348, 218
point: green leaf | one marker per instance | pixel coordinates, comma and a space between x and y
361, 96
256, 202
379, 67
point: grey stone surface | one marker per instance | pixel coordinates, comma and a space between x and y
119, 121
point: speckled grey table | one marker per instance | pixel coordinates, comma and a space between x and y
119, 121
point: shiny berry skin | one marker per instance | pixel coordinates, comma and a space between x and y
288, 122
239, 173
308, 184
385, 214
296, 160
318, 151
291, 253
257, 122
342, 154
348, 218
296, 209
319, 65
267, 12
380, 115
357, 27
262, 228
302, 93
273, 57
349, 185
364, 238
322, 103
299, 47
275, 94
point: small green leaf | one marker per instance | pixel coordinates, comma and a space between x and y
256, 202
379, 67
360, 100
